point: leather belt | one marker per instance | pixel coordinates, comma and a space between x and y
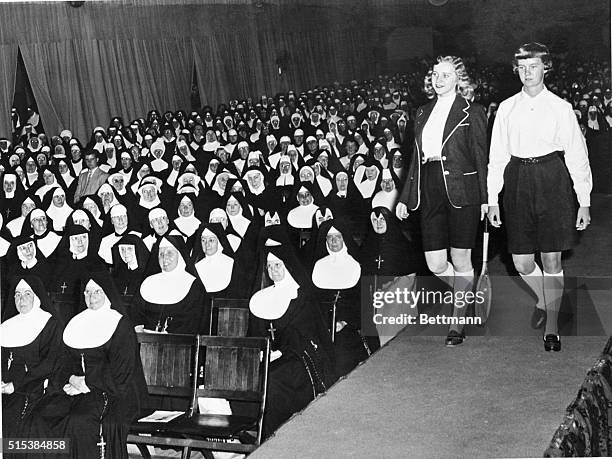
431, 159
536, 159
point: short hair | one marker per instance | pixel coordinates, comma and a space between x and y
465, 86
532, 50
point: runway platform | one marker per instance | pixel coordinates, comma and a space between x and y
498, 395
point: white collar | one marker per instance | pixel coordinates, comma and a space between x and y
15, 226
285, 179
92, 328
386, 199
154, 289
59, 215
23, 329
187, 225
215, 271
272, 302
325, 184
336, 271
159, 165
106, 247
48, 243
149, 205
240, 223
301, 216
4, 246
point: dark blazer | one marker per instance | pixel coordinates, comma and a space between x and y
464, 156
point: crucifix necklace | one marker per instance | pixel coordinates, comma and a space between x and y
272, 330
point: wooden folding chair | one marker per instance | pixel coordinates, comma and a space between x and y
229, 317
328, 309
168, 362
66, 305
234, 369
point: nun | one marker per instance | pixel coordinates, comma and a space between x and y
285, 309
16, 225
11, 196
216, 264
25, 258
30, 339
77, 259
46, 240
170, 300
119, 219
388, 192
100, 387
391, 261
187, 222
130, 257
337, 275
220, 216
58, 209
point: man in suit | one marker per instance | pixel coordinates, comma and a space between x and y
90, 179
447, 180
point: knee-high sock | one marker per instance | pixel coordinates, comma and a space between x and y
448, 275
464, 282
535, 281
553, 292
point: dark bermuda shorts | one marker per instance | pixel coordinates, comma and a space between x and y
442, 225
539, 205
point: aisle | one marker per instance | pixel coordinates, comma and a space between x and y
494, 397
497, 395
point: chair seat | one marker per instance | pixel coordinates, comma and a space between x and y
215, 426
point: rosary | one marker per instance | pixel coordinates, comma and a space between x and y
102, 443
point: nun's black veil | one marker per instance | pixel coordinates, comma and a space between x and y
274, 239
110, 290
38, 287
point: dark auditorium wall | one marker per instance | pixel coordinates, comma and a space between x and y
126, 57
492, 29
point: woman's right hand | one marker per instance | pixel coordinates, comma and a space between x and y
401, 211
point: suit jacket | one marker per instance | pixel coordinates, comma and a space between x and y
87, 186
464, 155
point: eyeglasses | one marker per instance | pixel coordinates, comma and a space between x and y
275, 265
334, 238
95, 292
24, 294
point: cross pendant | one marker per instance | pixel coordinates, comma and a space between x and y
271, 330
379, 260
102, 445
125, 291
63, 287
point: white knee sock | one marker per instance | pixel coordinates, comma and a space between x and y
553, 292
535, 281
464, 282
448, 275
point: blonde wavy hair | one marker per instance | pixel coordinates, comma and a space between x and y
465, 85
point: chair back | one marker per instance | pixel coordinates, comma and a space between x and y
168, 362
229, 317
234, 369
65, 304
328, 308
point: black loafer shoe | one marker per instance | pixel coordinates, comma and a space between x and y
454, 338
552, 343
538, 318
